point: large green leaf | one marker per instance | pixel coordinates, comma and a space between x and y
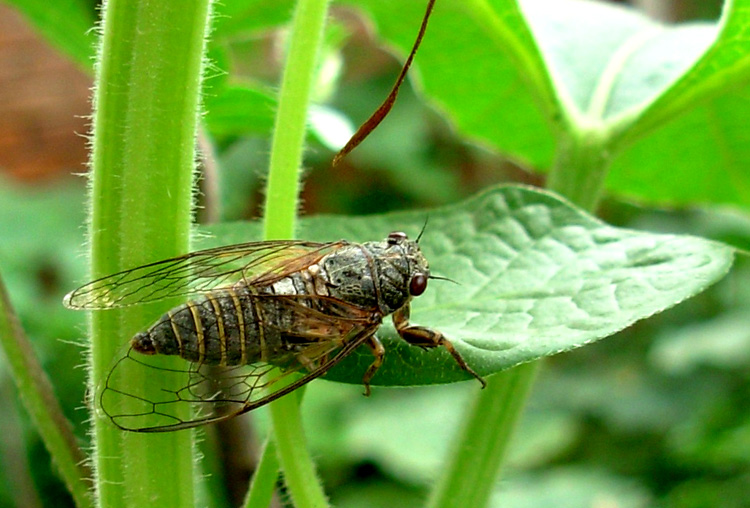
521, 76
524, 76
610, 62
536, 276
480, 64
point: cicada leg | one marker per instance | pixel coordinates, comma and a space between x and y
378, 351
310, 360
428, 338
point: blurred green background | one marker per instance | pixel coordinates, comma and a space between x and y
658, 415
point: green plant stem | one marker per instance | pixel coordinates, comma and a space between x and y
296, 463
264, 480
284, 174
580, 168
39, 399
470, 479
280, 222
143, 152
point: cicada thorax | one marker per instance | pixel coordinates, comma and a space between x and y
375, 274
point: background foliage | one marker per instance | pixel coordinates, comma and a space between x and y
657, 414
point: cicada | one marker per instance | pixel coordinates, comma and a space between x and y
255, 313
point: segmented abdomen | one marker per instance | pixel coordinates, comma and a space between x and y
224, 327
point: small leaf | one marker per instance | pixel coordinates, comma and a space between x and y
238, 110
571, 486
480, 64
722, 342
611, 60
522, 76
235, 17
67, 24
536, 277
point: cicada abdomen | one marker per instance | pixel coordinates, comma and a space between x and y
224, 327
243, 325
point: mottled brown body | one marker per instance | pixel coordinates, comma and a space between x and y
237, 326
225, 327
243, 324
298, 306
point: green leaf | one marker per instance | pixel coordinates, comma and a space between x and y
67, 24
632, 61
571, 487
724, 65
480, 64
237, 110
535, 276
403, 449
234, 17
701, 145
668, 102
722, 342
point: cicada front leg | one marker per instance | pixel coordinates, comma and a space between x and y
427, 338
378, 351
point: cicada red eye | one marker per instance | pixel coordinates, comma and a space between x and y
417, 284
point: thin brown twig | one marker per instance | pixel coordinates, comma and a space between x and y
371, 123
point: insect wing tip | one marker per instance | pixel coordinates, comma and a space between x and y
69, 301
90, 297
75, 301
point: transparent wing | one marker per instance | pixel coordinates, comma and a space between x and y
256, 263
321, 331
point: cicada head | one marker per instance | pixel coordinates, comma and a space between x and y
403, 271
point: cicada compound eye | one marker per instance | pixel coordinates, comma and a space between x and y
396, 237
417, 284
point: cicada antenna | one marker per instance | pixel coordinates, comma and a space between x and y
424, 226
438, 277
